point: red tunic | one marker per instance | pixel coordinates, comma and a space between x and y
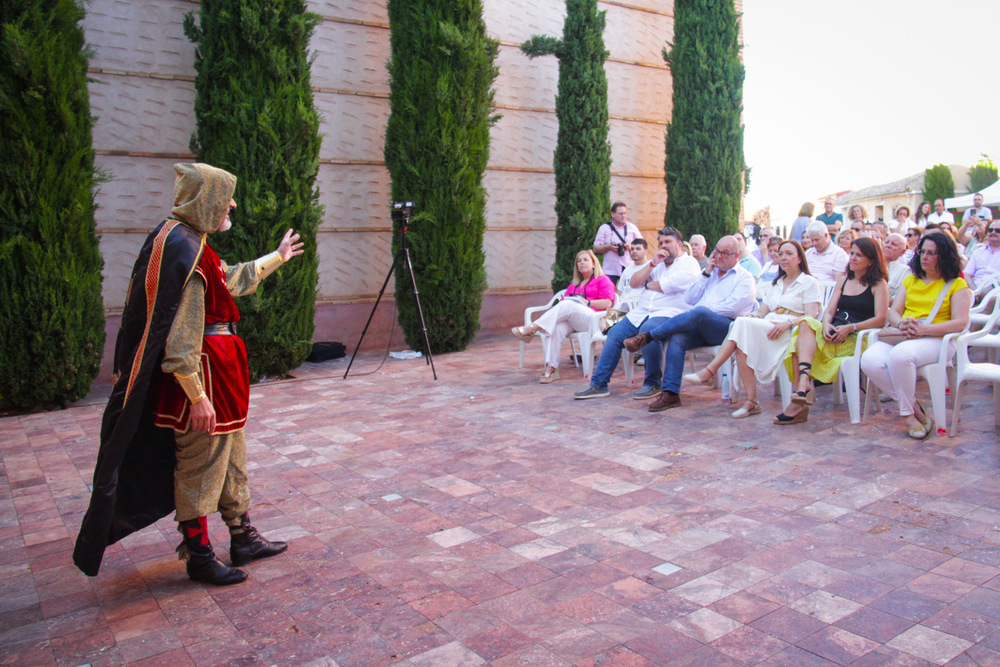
224, 370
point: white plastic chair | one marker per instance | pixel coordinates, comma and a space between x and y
939, 375
581, 342
981, 312
985, 372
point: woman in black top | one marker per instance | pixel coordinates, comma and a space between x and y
860, 301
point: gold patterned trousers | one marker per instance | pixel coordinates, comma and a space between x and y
211, 476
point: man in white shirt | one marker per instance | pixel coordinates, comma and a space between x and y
827, 261
940, 215
894, 248
666, 279
613, 239
628, 296
724, 292
984, 264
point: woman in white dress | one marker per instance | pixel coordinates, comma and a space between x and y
760, 340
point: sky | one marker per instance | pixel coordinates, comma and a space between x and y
844, 94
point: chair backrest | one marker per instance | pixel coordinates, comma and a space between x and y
825, 292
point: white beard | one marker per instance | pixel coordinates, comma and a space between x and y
226, 224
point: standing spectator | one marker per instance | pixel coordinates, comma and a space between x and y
613, 239
827, 262
984, 264
974, 223
801, 222
939, 215
698, 248
760, 254
920, 217
832, 220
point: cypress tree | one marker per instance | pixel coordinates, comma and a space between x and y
704, 162
52, 318
582, 161
436, 148
938, 183
256, 118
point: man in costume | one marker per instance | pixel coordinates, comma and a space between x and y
172, 433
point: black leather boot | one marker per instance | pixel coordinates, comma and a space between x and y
246, 544
202, 565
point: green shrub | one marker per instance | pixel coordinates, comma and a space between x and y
256, 118
436, 148
52, 317
938, 183
982, 175
582, 161
704, 163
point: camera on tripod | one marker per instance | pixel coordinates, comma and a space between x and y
401, 211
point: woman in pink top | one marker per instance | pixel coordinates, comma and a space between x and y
590, 291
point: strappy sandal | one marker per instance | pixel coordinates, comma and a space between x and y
784, 420
805, 397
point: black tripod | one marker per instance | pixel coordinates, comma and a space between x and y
400, 213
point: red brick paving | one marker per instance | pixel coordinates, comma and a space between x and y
484, 518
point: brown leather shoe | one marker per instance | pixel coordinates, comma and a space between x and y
664, 401
637, 342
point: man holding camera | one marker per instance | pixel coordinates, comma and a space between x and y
613, 239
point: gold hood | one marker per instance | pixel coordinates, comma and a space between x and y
201, 195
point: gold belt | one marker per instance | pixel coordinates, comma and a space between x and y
780, 310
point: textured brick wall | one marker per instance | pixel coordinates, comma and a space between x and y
143, 100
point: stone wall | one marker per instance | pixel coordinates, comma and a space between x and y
143, 97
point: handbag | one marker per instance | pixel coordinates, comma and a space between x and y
893, 335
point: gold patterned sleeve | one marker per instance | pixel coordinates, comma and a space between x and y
182, 352
242, 278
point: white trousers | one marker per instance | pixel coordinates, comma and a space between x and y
560, 321
893, 368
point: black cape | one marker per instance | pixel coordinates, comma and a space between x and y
134, 474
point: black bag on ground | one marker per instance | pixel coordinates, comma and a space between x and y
326, 351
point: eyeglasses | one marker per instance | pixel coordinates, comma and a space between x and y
723, 252
913, 233
994, 230
927, 253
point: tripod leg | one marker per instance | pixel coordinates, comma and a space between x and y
392, 268
420, 311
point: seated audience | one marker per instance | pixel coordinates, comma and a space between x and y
933, 301
901, 222
920, 217
827, 261
846, 238
894, 250
666, 279
984, 265
698, 248
747, 260
723, 292
760, 340
589, 291
760, 252
939, 215
628, 296
860, 301
770, 270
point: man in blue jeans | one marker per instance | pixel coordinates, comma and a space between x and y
723, 292
666, 278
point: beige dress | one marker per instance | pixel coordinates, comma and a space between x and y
785, 302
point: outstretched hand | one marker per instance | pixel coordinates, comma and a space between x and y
290, 246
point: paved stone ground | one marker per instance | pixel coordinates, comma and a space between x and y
486, 519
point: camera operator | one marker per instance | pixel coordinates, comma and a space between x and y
613, 239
